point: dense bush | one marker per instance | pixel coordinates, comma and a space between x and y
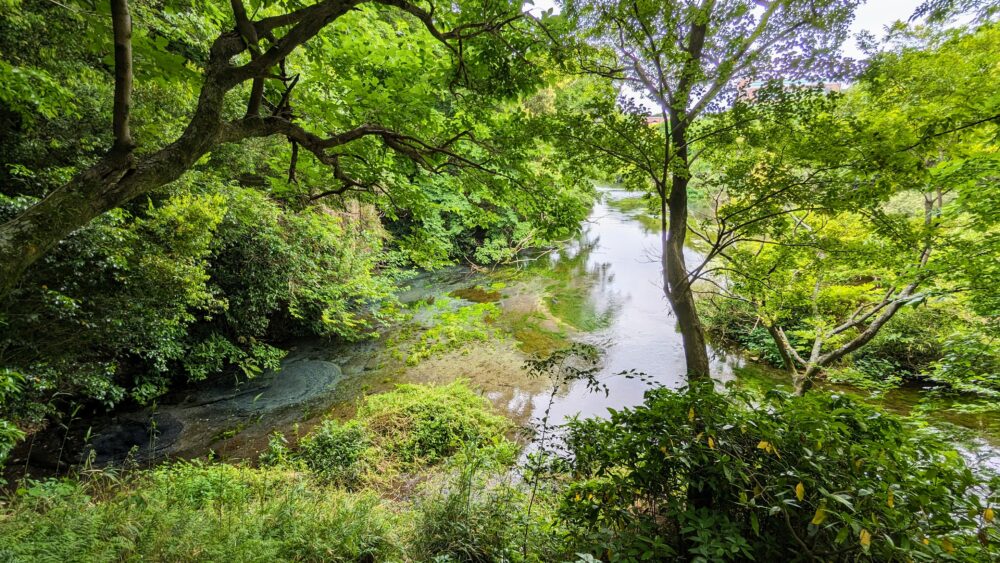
185, 287
426, 424
694, 475
476, 513
730, 322
712, 477
941, 342
334, 450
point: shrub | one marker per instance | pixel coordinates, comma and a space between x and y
426, 424
407, 430
734, 323
334, 451
710, 477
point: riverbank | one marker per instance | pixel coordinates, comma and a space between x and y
483, 326
432, 473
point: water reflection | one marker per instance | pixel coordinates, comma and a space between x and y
622, 268
603, 290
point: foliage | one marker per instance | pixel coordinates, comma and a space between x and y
829, 270
334, 450
187, 288
783, 477
731, 322
427, 424
780, 477
475, 514
251, 246
403, 431
194, 512
10, 385
970, 363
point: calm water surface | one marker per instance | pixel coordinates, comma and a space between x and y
603, 289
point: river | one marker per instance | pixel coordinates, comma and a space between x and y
602, 289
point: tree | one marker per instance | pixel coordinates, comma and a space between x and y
260, 242
689, 59
250, 61
876, 200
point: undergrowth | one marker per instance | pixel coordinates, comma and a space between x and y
776, 478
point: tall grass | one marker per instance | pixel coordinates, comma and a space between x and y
199, 512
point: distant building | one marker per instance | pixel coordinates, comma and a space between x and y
654, 119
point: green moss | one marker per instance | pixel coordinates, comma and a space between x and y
535, 340
477, 294
439, 326
576, 310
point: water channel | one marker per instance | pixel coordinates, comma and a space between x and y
601, 289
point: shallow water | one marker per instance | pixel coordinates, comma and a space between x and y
603, 290
641, 335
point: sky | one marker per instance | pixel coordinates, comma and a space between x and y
873, 16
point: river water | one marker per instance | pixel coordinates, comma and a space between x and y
603, 289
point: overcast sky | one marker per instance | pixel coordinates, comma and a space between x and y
874, 16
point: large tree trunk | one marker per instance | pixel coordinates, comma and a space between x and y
110, 183
677, 282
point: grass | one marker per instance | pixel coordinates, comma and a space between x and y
397, 438
295, 507
419, 424
472, 504
198, 512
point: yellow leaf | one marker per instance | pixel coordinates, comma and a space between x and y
764, 445
890, 501
691, 414
988, 515
663, 449
865, 538
711, 443
800, 491
578, 497
698, 437
946, 545
819, 517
